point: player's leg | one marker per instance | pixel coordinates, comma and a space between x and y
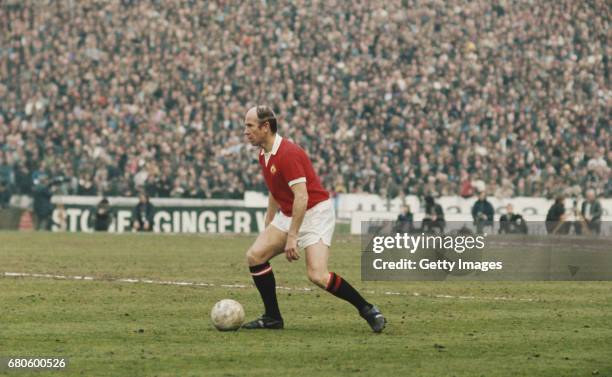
268, 244
317, 256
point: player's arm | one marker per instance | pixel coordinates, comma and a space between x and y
300, 202
272, 209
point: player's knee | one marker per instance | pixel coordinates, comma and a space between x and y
318, 277
254, 257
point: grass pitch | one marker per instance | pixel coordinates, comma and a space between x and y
112, 328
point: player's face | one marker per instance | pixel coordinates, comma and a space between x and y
253, 131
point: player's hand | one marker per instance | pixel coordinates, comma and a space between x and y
291, 249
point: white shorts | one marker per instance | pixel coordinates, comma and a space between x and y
319, 223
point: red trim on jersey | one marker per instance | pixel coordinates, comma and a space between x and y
289, 163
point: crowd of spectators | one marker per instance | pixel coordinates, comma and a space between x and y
446, 97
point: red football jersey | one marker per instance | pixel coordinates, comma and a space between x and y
288, 165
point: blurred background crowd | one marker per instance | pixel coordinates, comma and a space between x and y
403, 96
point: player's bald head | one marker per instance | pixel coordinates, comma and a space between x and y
251, 115
261, 114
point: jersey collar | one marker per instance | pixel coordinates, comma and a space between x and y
275, 146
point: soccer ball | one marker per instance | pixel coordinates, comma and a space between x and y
227, 315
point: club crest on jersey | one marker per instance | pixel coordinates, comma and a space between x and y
273, 169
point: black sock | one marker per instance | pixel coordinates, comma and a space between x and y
342, 289
266, 285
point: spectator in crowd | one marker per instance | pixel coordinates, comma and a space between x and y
466, 187
556, 221
6, 171
512, 223
5, 194
591, 212
446, 97
482, 212
102, 216
405, 220
43, 208
142, 215
433, 221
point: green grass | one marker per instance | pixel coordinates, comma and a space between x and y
109, 328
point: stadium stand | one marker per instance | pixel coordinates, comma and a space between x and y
443, 97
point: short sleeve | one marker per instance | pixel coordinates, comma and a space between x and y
293, 169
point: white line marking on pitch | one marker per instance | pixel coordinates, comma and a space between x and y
196, 284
